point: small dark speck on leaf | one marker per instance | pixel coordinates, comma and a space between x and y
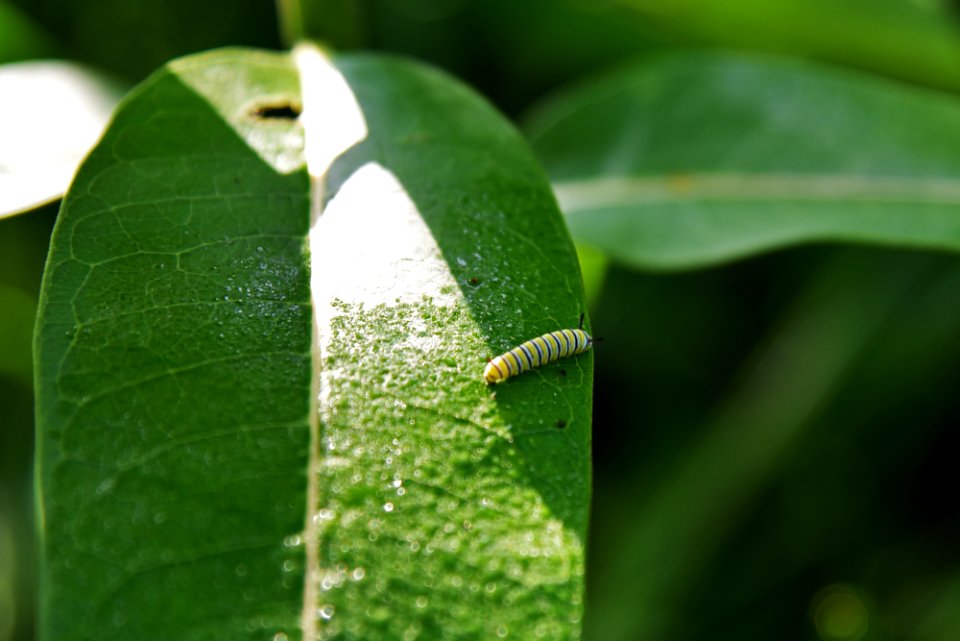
561, 423
474, 281
563, 372
277, 112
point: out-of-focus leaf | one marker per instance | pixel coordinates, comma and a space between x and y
282, 409
898, 38
50, 116
684, 161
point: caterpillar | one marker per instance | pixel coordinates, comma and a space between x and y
536, 352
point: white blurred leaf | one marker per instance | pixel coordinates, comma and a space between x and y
51, 114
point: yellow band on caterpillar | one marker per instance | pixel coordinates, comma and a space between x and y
536, 352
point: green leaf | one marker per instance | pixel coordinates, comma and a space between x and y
257, 421
913, 40
689, 160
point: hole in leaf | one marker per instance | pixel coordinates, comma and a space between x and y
279, 111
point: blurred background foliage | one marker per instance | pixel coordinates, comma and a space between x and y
776, 442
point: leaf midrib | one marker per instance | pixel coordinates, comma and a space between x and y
587, 194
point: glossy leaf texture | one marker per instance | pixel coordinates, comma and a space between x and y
688, 160
257, 420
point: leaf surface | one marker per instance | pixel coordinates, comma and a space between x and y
689, 160
260, 416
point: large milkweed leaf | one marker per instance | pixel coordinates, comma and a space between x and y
687, 160
256, 421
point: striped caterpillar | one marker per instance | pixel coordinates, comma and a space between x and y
536, 352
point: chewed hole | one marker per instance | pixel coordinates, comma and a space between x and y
279, 111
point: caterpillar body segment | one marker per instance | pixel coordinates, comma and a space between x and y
536, 352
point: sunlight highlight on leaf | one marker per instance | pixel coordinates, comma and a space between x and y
332, 118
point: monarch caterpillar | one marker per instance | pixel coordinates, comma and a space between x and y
536, 352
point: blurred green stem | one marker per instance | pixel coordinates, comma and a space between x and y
335, 23
17, 311
666, 543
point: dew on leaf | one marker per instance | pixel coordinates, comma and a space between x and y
326, 612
